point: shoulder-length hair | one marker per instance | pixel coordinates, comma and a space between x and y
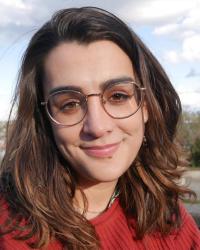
35, 180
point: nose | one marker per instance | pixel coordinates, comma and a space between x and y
96, 122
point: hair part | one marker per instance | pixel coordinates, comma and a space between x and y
34, 173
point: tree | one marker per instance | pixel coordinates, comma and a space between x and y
189, 128
188, 132
195, 153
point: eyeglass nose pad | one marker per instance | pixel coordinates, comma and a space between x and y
103, 100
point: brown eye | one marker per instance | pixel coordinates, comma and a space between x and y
70, 105
118, 98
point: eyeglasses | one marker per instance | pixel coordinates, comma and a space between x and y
119, 100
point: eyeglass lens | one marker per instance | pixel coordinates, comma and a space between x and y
68, 107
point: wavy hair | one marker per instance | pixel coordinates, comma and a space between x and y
34, 174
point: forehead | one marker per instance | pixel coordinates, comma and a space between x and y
85, 66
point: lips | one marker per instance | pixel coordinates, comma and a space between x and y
101, 151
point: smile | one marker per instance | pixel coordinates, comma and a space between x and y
101, 151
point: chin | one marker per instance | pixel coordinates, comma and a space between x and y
98, 169
102, 175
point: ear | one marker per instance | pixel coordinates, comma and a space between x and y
145, 112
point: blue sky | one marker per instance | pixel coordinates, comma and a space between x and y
170, 28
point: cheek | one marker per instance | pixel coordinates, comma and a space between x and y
133, 126
66, 137
133, 130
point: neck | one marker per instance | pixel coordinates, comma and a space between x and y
98, 197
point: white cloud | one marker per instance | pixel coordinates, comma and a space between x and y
191, 48
178, 20
192, 20
19, 17
165, 15
189, 52
190, 99
172, 56
186, 19
166, 29
13, 3
156, 11
12, 11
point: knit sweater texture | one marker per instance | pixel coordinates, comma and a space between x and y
115, 234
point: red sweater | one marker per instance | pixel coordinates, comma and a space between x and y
114, 234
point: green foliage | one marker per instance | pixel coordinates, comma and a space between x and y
195, 153
189, 134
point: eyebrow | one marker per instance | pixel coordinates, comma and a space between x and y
103, 85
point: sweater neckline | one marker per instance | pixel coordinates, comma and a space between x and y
105, 215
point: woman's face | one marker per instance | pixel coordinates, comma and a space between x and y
99, 148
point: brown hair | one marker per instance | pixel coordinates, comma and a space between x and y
33, 172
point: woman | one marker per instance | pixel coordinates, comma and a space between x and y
91, 161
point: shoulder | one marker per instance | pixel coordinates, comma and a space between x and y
187, 219
3, 212
8, 242
188, 235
